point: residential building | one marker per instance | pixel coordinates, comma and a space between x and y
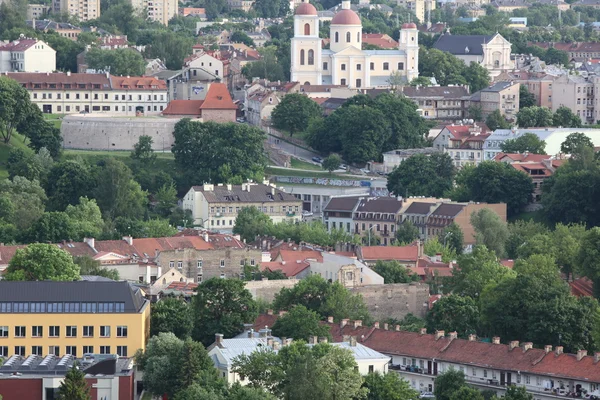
538, 84
60, 93
501, 96
339, 213
577, 93
217, 106
376, 218
260, 106
38, 377
83, 10
578, 51
243, 5
207, 66
315, 197
64, 29
345, 63
463, 143
35, 11
27, 55
492, 51
157, 10
509, 6
421, 8
381, 40
448, 103
418, 214
405, 255
587, 3
217, 206
391, 159
193, 11
58, 318
432, 29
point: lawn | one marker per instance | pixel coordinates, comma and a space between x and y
112, 153
54, 119
16, 141
296, 163
147, 396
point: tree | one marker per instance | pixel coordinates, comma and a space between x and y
526, 143
517, 393
477, 77
117, 193
394, 272
448, 383
52, 227
241, 37
300, 324
389, 387
467, 393
166, 199
251, 222
74, 386
143, 151
170, 47
67, 182
171, 315
294, 112
526, 98
519, 231
490, 230
41, 133
22, 202
566, 240
332, 162
270, 65
534, 117
407, 232
575, 141
119, 62
496, 120
422, 175
156, 227
14, 101
588, 257
89, 266
453, 237
555, 56
420, 81
341, 303
564, 117
223, 306
85, 218
39, 262
454, 313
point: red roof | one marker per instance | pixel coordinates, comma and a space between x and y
19, 45
184, 107
218, 98
137, 83
464, 131
582, 287
398, 253
527, 167
525, 157
379, 39
508, 263
306, 9
295, 255
410, 25
264, 320
346, 17
290, 269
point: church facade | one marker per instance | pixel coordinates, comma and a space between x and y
345, 63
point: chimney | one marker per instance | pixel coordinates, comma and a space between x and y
419, 253
526, 346
269, 312
581, 354
250, 333
376, 325
547, 348
596, 357
128, 239
496, 340
219, 339
353, 341
322, 339
558, 350
453, 335
68, 73
397, 327
513, 344
229, 186
276, 345
386, 326
423, 331
357, 323
287, 341
90, 242
270, 342
344, 322
330, 320
205, 237
313, 340
263, 333
439, 335
472, 338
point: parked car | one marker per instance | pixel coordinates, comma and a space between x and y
344, 167
317, 159
307, 214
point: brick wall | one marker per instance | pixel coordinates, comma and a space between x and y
21, 389
395, 300
218, 115
266, 290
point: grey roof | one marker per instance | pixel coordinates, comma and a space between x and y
257, 192
76, 291
167, 74
498, 86
342, 203
95, 278
448, 210
444, 92
380, 205
418, 207
333, 103
412, 152
462, 44
104, 364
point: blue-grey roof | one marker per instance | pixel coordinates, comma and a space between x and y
498, 86
462, 44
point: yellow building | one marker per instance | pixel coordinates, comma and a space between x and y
76, 318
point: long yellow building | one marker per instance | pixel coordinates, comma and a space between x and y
80, 317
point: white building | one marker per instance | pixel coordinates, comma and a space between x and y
27, 55
392, 159
345, 63
157, 10
83, 10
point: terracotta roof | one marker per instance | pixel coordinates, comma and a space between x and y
528, 167
264, 320
435, 28
346, 17
306, 9
20, 45
137, 83
566, 365
296, 255
508, 263
45, 80
398, 253
184, 107
379, 39
319, 100
218, 98
465, 131
290, 269
569, 47
526, 157
410, 25
8, 252
582, 287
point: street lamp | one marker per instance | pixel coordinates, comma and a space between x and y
446, 237
369, 230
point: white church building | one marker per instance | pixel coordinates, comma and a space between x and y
345, 63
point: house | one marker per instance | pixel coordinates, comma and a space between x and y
539, 84
339, 213
463, 143
27, 55
501, 96
217, 206
243, 5
405, 255
432, 29
491, 51
40, 376
421, 8
207, 66
160, 11
587, 3
194, 12
418, 213
578, 51
448, 103
577, 93
64, 29
381, 40
345, 63
376, 218
217, 106
260, 106
509, 6
60, 93
82, 10
35, 313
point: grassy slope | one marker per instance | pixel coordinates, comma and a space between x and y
15, 141
296, 163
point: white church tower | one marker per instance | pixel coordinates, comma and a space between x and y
409, 42
306, 46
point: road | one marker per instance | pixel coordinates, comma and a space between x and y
292, 149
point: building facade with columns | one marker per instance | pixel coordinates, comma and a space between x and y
344, 62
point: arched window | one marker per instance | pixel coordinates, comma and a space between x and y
307, 29
348, 37
311, 57
301, 57
358, 37
337, 37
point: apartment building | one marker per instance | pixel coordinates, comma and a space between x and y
448, 103
578, 94
75, 318
244, 5
417, 214
538, 84
217, 207
67, 93
578, 51
501, 96
84, 10
463, 143
35, 11
420, 7
27, 55
393, 158
157, 10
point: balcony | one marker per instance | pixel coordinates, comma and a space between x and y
290, 214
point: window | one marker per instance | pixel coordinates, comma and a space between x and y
473, 372
358, 37
343, 82
105, 331
37, 331
371, 369
337, 37
71, 331
3, 331
252, 262
54, 331
343, 67
122, 351
372, 66
104, 349
302, 57
88, 349
485, 373
222, 263
19, 331
325, 66
307, 29
199, 263
36, 350
121, 331
222, 276
311, 57
527, 379
72, 350
20, 350
358, 83
171, 264
386, 66
180, 264
3, 351
88, 331
348, 37
400, 66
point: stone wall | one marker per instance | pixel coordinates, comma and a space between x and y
266, 290
116, 133
395, 300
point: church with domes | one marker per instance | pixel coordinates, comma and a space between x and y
345, 63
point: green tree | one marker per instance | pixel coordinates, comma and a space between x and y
270, 65
85, 218
566, 240
496, 120
476, 113
448, 383
14, 106
575, 141
39, 262
67, 182
300, 324
490, 230
564, 117
526, 98
454, 313
526, 143
251, 222
143, 151
241, 37
156, 227
517, 393
407, 232
394, 272
41, 133
170, 47
166, 199
453, 237
422, 175
555, 56
294, 112
120, 62
171, 315
332, 162
51, 227
74, 386
89, 266
477, 77
519, 231
22, 201
239, 392
467, 393
388, 387
223, 306
420, 81
433, 247
588, 258
534, 117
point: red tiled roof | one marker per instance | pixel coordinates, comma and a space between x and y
460, 132
399, 253
295, 255
508, 263
265, 320
290, 269
29, 79
184, 107
526, 157
582, 287
319, 100
137, 83
379, 39
527, 167
19, 45
566, 365
218, 98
